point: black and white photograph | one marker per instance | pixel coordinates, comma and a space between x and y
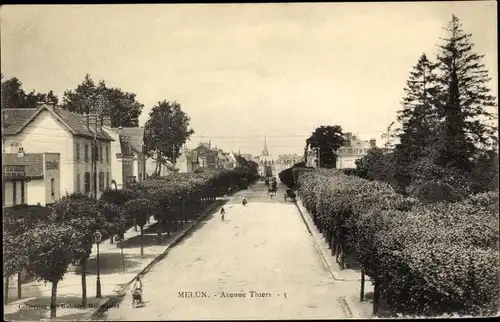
250, 161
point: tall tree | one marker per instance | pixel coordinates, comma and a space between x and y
121, 107
12, 93
166, 131
465, 98
418, 118
13, 96
328, 139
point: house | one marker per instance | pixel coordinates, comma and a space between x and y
125, 162
49, 129
188, 161
31, 178
353, 150
226, 160
134, 136
207, 156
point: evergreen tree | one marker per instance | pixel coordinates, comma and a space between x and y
13, 95
464, 100
418, 118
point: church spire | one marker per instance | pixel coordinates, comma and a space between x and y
264, 151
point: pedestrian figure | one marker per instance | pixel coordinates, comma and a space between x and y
222, 213
244, 202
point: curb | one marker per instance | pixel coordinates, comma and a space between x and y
345, 307
318, 249
111, 301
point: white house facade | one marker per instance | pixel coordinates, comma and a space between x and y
48, 129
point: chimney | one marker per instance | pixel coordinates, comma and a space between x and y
106, 121
348, 137
373, 143
101, 121
86, 120
93, 122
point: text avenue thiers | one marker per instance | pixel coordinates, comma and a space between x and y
249, 294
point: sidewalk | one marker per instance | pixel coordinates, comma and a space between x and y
346, 274
350, 279
115, 273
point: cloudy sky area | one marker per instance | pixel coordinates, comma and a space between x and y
243, 71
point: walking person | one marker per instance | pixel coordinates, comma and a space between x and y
222, 213
244, 202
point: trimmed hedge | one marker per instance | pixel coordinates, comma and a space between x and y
427, 259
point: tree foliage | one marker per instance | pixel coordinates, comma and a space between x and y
428, 260
166, 131
328, 139
122, 107
13, 96
447, 142
464, 102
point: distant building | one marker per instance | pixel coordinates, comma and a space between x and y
188, 161
207, 157
353, 150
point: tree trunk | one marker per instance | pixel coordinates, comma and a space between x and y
19, 290
362, 292
83, 266
342, 255
376, 298
53, 298
111, 239
6, 290
142, 242
333, 244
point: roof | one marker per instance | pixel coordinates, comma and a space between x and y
15, 120
136, 135
191, 155
125, 145
33, 162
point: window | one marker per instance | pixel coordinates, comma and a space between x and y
100, 153
87, 182
101, 181
77, 183
107, 154
96, 152
107, 180
77, 154
14, 193
52, 187
86, 153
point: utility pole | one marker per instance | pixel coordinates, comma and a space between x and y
95, 150
388, 136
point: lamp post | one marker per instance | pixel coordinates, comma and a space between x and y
98, 236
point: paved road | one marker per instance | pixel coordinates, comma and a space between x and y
262, 252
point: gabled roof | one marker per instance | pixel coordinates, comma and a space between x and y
15, 120
32, 161
136, 135
125, 146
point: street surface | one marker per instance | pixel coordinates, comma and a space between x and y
262, 254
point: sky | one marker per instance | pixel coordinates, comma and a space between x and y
244, 71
